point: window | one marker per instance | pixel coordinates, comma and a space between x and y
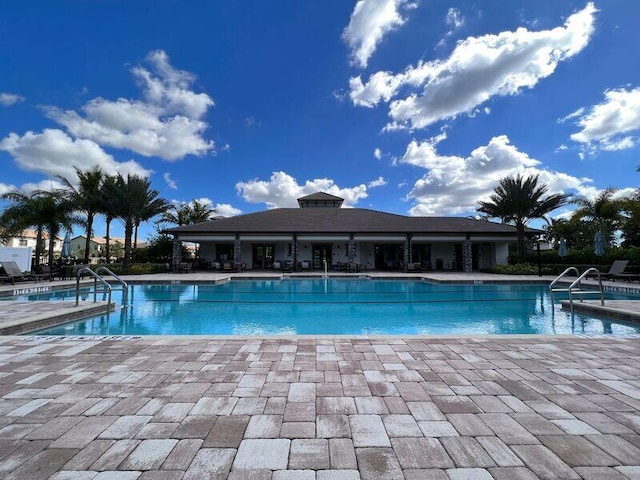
22, 242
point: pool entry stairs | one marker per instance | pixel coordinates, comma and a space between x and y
100, 285
576, 287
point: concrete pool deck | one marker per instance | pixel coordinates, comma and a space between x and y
444, 408
537, 407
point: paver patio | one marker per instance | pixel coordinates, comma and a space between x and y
312, 408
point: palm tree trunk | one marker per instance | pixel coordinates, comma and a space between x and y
52, 236
135, 238
87, 242
128, 233
38, 245
522, 246
107, 247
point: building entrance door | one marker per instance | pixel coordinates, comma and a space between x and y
321, 254
262, 256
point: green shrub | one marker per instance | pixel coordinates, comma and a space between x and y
515, 269
139, 268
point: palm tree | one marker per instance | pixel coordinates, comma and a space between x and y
108, 196
518, 200
134, 202
58, 209
26, 211
43, 210
604, 211
87, 198
187, 213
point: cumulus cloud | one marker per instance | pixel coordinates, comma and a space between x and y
221, 209
378, 182
611, 125
226, 210
283, 190
370, 21
455, 184
30, 187
8, 99
477, 69
377, 153
170, 182
167, 123
5, 187
53, 152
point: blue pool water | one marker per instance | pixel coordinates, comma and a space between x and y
335, 306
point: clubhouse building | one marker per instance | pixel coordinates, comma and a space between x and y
350, 239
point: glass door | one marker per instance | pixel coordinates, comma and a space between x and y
262, 256
321, 254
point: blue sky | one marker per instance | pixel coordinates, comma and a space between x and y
415, 107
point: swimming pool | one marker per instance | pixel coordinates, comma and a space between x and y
335, 307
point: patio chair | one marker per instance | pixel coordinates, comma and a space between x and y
14, 274
617, 268
49, 273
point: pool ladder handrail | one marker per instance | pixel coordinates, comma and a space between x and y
577, 283
107, 286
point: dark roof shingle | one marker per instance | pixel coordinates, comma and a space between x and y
342, 220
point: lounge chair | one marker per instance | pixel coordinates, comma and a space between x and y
616, 270
14, 274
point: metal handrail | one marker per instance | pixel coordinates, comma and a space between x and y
578, 282
96, 278
124, 285
557, 279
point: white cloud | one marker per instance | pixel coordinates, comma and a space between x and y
454, 20
8, 99
377, 153
577, 113
378, 182
607, 125
454, 184
170, 182
370, 21
283, 190
226, 210
4, 188
47, 185
477, 69
53, 152
221, 209
168, 123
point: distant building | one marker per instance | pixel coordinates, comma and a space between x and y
97, 246
28, 238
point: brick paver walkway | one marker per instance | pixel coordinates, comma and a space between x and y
450, 409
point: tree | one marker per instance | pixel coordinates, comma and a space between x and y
604, 212
87, 198
59, 211
188, 213
578, 233
108, 208
631, 226
518, 200
134, 202
45, 211
26, 211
